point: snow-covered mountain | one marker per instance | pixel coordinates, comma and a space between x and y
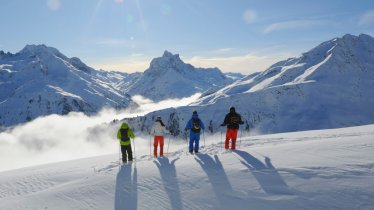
39, 80
169, 77
280, 171
328, 87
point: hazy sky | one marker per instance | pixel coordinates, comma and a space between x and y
234, 35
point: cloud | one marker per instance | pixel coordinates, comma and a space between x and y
137, 55
367, 18
57, 138
54, 4
224, 50
249, 16
147, 105
290, 25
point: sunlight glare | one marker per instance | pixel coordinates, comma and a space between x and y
54, 4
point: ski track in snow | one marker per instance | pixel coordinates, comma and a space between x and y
327, 169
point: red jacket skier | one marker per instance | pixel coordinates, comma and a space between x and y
232, 121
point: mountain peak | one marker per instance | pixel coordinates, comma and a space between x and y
167, 60
32, 48
349, 36
41, 49
337, 45
169, 54
361, 37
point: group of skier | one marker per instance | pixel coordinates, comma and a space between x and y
194, 125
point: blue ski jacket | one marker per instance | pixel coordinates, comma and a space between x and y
189, 127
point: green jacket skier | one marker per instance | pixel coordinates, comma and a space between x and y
125, 134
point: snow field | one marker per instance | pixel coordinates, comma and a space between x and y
324, 169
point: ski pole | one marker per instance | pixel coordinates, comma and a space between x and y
221, 141
204, 137
186, 142
240, 138
150, 146
167, 151
119, 156
133, 142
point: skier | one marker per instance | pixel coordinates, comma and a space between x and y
194, 125
232, 121
125, 134
158, 129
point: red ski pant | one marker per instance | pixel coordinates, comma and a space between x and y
231, 134
158, 140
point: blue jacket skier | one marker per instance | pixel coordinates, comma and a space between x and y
195, 125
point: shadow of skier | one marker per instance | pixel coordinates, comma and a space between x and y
168, 174
217, 177
126, 196
266, 174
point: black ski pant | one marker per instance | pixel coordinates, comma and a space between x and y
126, 152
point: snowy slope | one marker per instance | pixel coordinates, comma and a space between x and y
169, 77
324, 169
330, 86
39, 80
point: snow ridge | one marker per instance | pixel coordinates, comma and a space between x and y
39, 81
327, 87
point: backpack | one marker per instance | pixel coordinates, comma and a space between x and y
196, 125
124, 134
234, 120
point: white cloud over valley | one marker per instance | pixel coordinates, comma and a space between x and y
57, 138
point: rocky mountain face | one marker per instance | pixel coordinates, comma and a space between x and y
169, 77
329, 86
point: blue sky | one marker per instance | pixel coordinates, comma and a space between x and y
234, 35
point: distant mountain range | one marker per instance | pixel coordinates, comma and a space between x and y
329, 86
40, 80
169, 77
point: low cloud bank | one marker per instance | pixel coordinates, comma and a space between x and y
59, 138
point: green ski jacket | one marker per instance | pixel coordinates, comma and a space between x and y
130, 134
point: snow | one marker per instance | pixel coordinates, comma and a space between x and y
26, 78
321, 169
329, 86
62, 92
39, 81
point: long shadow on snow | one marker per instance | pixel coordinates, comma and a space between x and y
126, 196
217, 177
168, 174
266, 174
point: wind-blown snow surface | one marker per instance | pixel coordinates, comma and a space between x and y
324, 169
